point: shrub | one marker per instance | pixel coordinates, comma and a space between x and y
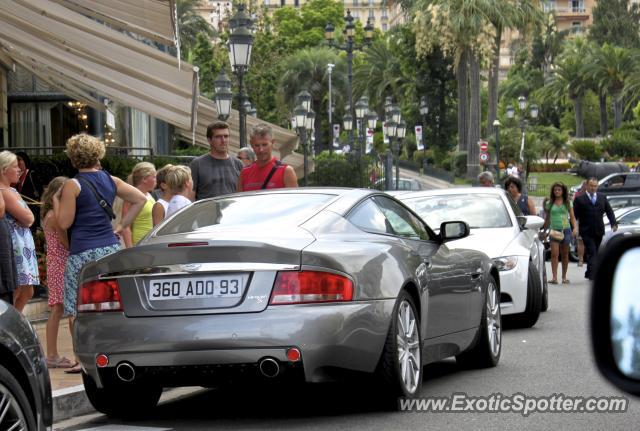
586, 149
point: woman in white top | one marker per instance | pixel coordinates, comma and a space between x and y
180, 184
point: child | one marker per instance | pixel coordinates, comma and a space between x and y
180, 184
57, 254
160, 207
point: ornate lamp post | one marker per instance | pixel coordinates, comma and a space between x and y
349, 46
424, 110
240, 43
300, 116
401, 130
533, 113
223, 96
496, 127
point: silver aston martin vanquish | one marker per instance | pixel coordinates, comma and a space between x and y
307, 284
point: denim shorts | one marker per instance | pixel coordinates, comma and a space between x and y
567, 237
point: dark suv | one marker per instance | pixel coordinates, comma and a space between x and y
623, 182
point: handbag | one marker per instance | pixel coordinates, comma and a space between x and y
556, 235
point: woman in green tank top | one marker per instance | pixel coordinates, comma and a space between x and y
559, 216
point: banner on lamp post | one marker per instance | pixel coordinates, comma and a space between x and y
336, 136
369, 146
419, 141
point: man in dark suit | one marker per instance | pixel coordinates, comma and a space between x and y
589, 208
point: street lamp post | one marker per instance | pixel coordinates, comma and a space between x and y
424, 110
390, 131
496, 127
240, 43
330, 109
401, 130
533, 113
349, 46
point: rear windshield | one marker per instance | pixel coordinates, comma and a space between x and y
478, 210
268, 210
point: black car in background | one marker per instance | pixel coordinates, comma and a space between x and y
25, 388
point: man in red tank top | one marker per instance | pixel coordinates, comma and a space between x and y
266, 172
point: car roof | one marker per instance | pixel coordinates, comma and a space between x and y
451, 191
616, 174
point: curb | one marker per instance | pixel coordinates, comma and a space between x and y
70, 402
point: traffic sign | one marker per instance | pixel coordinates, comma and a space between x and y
484, 146
484, 157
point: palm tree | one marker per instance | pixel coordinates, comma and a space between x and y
379, 74
506, 14
609, 68
307, 70
459, 26
190, 24
568, 80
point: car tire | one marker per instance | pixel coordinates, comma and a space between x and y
125, 401
487, 346
545, 290
534, 301
16, 411
400, 365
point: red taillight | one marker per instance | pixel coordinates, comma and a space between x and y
99, 295
310, 286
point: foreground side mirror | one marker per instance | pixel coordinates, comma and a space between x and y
615, 313
451, 230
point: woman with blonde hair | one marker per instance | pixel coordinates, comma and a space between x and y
180, 184
20, 218
143, 177
79, 210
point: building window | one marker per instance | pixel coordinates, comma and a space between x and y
371, 2
266, 3
384, 26
355, 2
577, 6
549, 5
282, 2
372, 16
576, 27
384, 13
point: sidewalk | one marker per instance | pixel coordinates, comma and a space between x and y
69, 399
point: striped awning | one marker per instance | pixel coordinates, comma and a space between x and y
86, 59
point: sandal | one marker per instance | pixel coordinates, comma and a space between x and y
553, 281
76, 369
566, 281
59, 362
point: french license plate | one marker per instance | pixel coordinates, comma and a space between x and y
227, 286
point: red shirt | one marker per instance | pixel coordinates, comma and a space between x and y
252, 177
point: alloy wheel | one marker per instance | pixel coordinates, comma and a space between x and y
493, 319
408, 340
11, 414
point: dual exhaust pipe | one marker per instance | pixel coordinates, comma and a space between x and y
268, 367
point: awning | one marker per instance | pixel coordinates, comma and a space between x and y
153, 19
285, 140
86, 59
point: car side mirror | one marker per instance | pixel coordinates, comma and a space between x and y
451, 230
615, 313
530, 222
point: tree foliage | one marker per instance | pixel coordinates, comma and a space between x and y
616, 22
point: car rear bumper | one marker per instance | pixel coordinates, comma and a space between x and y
330, 337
